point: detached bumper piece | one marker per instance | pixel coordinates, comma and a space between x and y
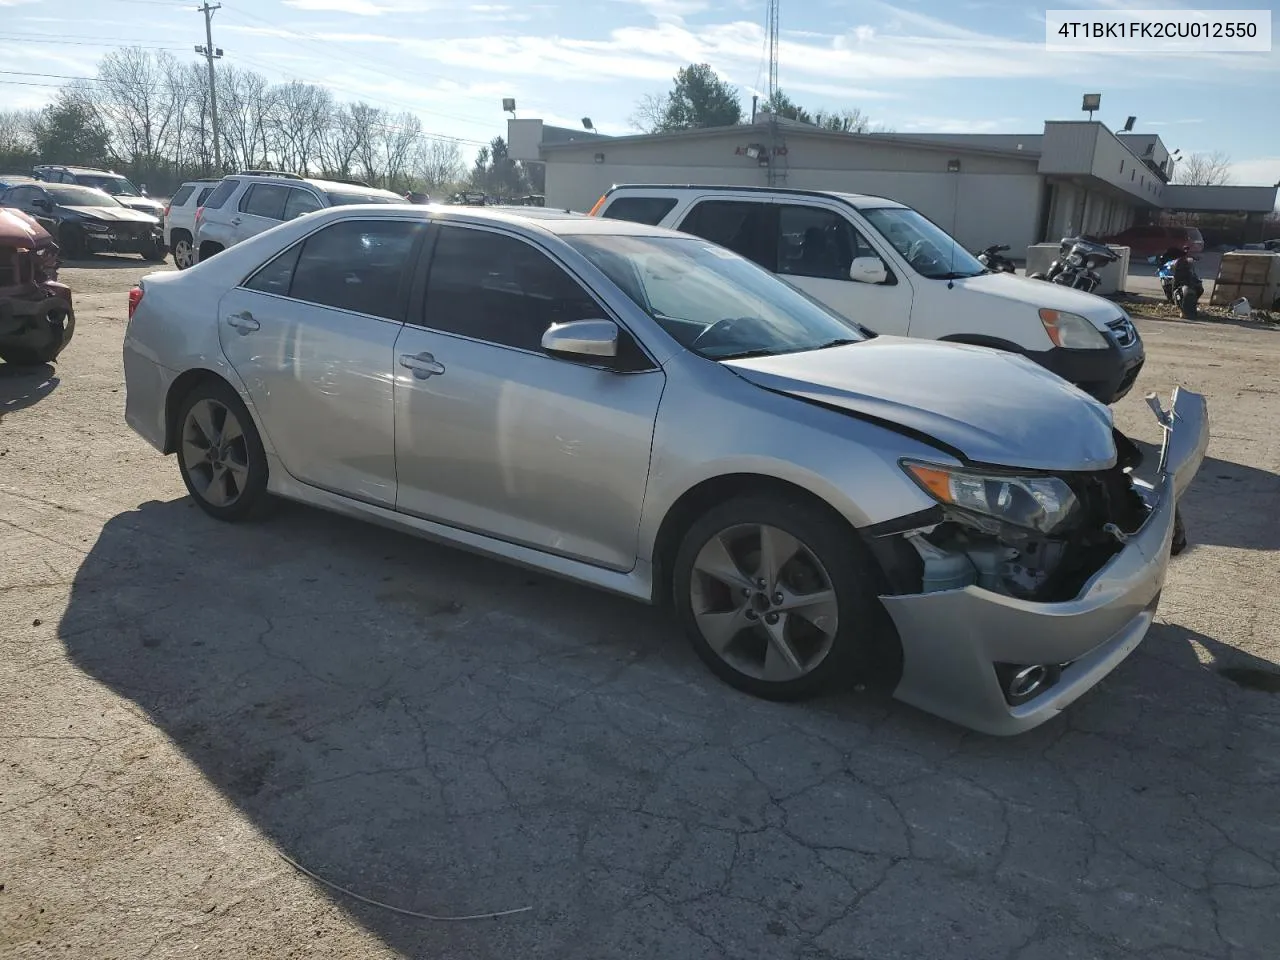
37, 327
1002, 664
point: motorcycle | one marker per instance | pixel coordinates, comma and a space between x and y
991, 259
1180, 281
1078, 263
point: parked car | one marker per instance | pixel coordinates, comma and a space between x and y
246, 204
108, 181
37, 319
14, 179
884, 264
647, 412
87, 221
1152, 241
180, 220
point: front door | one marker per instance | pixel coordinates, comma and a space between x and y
816, 246
311, 335
495, 436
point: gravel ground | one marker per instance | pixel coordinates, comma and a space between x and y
181, 701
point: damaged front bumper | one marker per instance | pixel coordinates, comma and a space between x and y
960, 646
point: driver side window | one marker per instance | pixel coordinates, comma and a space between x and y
813, 242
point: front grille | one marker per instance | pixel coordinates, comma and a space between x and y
1123, 330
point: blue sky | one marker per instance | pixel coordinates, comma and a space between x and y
915, 65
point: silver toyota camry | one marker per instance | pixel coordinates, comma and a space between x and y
648, 413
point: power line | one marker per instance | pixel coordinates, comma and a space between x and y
83, 41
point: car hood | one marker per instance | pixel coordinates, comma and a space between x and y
145, 204
114, 214
995, 408
1039, 293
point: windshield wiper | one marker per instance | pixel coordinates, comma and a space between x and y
839, 342
956, 275
747, 354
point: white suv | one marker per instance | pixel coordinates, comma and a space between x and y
893, 270
180, 220
246, 204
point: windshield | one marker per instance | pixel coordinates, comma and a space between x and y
343, 198
116, 186
713, 301
922, 243
70, 196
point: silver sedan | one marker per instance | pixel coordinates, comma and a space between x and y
648, 413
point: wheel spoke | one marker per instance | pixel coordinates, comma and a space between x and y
717, 562
216, 493
776, 548
230, 429
193, 453
719, 628
780, 661
203, 418
819, 609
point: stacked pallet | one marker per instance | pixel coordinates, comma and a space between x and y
1254, 275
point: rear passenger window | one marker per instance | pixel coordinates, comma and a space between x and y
204, 195
221, 193
277, 275
496, 288
300, 202
179, 198
358, 265
742, 226
648, 210
265, 200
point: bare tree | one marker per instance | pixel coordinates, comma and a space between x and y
17, 138
650, 113
340, 144
297, 117
397, 136
136, 105
365, 121
1205, 170
244, 106
438, 163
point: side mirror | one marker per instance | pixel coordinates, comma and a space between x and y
582, 340
868, 270
41, 203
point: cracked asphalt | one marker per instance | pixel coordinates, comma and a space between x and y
181, 700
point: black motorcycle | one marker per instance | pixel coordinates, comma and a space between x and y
1078, 263
1181, 282
991, 259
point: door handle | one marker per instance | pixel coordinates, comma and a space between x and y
423, 365
235, 221
243, 323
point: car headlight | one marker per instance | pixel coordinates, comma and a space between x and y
1035, 503
1072, 331
94, 227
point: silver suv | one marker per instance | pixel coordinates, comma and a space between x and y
246, 204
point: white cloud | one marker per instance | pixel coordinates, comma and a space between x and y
953, 125
16, 3
1260, 172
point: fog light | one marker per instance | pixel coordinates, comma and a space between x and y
1022, 682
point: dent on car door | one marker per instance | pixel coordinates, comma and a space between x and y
311, 336
495, 436
816, 249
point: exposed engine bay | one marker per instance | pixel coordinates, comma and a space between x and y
969, 548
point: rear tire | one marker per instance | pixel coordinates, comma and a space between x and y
157, 253
209, 249
183, 249
220, 454
777, 599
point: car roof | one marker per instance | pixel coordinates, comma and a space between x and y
62, 166
857, 200
531, 219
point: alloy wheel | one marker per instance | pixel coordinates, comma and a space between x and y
184, 254
763, 602
215, 453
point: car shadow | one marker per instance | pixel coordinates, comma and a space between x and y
452, 735
1227, 505
23, 386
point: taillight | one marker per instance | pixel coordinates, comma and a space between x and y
199, 213
135, 298
596, 209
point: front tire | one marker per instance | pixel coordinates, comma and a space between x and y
71, 243
220, 453
157, 253
776, 598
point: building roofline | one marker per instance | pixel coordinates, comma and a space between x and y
791, 128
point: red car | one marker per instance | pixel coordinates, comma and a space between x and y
36, 317
1146, 242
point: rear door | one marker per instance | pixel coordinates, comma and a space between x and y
261, 208
311, 335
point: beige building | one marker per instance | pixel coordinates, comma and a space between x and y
1074, 177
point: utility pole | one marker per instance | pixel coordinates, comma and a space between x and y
212, 53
